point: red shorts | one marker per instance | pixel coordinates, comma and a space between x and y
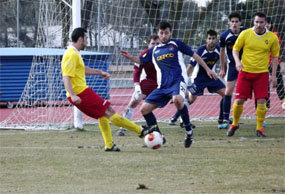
91, 104
256, 82
147, 86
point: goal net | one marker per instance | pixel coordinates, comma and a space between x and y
115, 25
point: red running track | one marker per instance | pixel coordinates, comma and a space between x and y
206, 106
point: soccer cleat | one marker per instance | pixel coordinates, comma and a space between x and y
220, 121
188, 140
114, 148
121, 132
172, 121
146, 130
231, 131
224, 125
181, 124
260, 133
164, 140
264, 124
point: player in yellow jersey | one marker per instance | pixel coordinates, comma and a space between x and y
257, 44
84, 98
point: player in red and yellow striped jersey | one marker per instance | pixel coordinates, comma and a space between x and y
257, 44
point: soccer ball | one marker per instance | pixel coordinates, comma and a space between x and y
153, 140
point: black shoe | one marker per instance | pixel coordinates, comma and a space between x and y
114, 148
231, 131
183, 126
164, 140
188, 140
121, 132
146, 130
220, 121
172, 121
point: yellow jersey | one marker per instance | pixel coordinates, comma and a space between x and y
256, 50
72, 65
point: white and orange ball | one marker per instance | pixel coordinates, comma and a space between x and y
153, 140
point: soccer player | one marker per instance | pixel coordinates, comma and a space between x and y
227, 41
210, 53
144, 80
257, 44
84, 98
171, 77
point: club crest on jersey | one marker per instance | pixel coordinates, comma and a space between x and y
266, 41
171, 47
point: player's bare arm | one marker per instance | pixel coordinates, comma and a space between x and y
223, 62
91, 71
273, 78
189, 69
239, 65
67, 84
210, 73
130, 57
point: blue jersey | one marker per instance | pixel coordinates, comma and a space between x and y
210, 58
168, 61
228, 40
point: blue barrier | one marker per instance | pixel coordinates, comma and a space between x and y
15, 68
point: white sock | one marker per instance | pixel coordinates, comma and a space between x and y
129, 112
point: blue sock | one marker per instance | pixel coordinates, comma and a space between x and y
221, 115
176, 115
151, 120
185, 117
227, 107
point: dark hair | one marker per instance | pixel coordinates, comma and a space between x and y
235, 15
152, 37
212, 33
76, 33
268, 20
259, 14
163, 25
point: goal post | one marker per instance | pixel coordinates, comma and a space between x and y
76, 22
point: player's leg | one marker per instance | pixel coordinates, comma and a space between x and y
148, 115
174, 118
227, 101
157, 98
120, 121
181, 107
261, 94
129, 112
280, 86
189, 99
222, 125
95, 106
243, 92
107, 134
232, 75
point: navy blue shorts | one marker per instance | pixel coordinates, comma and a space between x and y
200, 83
232, 72
161, 96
